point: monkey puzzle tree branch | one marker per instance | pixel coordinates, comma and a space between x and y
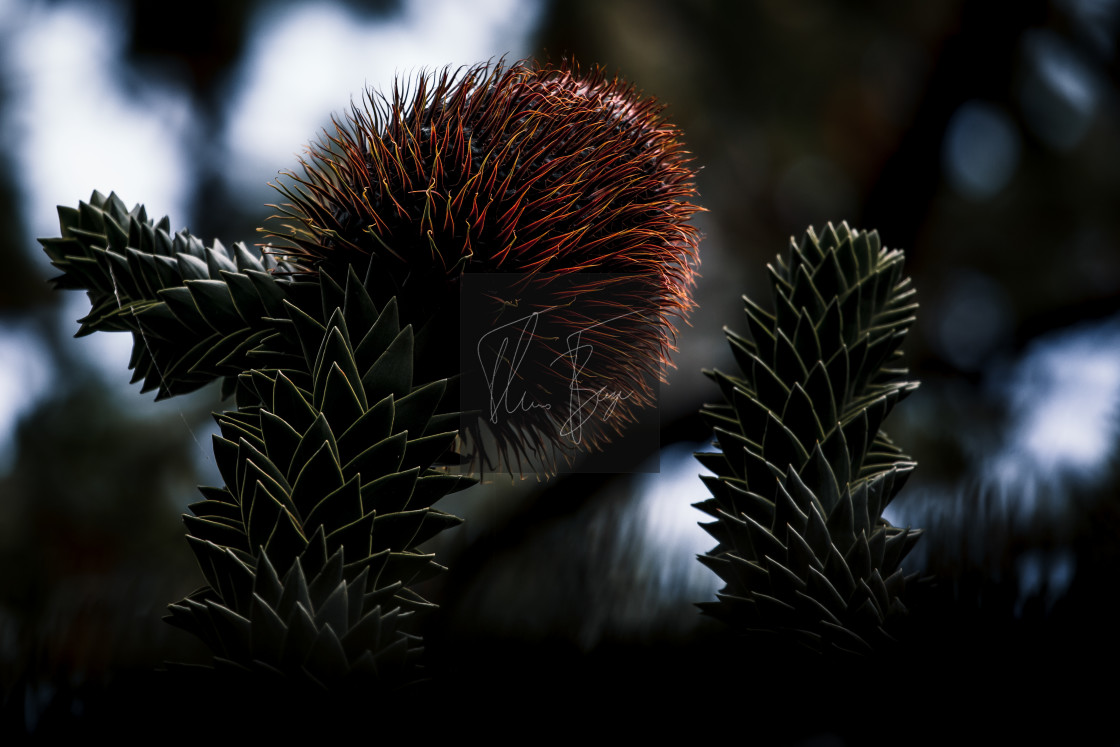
195, 312
805, 471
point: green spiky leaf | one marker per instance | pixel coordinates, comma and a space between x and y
805, 471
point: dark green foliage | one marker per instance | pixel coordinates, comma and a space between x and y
328, 470
310, 549
194, 311
805, 471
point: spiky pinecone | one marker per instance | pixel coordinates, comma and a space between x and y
805, 471
570, 181
328, 450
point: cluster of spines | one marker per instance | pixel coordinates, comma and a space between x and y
515, 169
805, 471
538, 171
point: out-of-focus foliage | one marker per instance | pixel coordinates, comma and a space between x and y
87, 559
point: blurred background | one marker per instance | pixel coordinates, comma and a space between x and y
983, 138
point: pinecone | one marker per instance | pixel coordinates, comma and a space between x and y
572, 183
